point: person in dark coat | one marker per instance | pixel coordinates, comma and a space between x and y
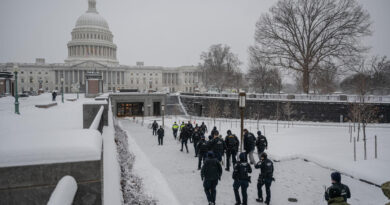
265, 178
155, 127
54, 95
189, 130
213, 131
196, 138
203, 128
336, 184
261, 143
211, 172
160, 134
249, 145
334, 196
241, 179
202, 149
232, 144
218, 146
184, 135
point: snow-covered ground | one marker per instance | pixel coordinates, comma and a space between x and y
49, 135
325, 144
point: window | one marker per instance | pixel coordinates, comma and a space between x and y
131, 73
39, 73
151, 74
156, 74
46, 73
131, 81
22, 72
137, 80
31, 80
30, 72
22, 80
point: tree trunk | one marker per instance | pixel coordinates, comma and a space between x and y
306, 79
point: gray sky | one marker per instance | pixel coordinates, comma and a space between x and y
158, 32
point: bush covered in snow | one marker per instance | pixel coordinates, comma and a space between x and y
132, 186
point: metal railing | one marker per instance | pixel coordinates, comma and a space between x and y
97, 123
300, 97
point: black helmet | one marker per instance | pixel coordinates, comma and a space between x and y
259, 132
242, 157
229, 132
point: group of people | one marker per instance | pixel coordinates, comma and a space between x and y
212, 151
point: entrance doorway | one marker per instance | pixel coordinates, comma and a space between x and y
156, 108
129, 109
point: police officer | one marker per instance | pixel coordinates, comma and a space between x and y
265, 177
203, 128
182, 126
184, 135
160, 134
218, 146
241, 179
336, 184
202, 148
154, 127
249, 145
211, 172
232, 145
213, 131
175, 128
261, 143
334, 196
195, 138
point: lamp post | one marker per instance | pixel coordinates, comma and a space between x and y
16, 90
143, 113
62, 90
78, 90
241, 105
163, 112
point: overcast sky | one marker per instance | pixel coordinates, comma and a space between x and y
158, 32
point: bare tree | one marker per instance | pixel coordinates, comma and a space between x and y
301, 34
213, 109
324, 79
219, 67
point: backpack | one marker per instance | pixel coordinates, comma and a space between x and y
241, 171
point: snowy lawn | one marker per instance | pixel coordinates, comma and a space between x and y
171, 171
49, 135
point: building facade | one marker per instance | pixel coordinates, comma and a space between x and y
92, 48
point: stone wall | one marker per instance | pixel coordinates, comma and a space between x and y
267, 109
90, 111
34, 184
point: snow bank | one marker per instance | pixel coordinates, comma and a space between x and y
96, 120
64, 192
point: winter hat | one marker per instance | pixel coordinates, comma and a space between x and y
336, 177
210, 154
202, 137
242, 157
229, 132
216, 133
263, 155
259, 132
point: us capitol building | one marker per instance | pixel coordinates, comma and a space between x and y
92, 49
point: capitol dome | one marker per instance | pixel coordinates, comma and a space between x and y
92, 39
90, 20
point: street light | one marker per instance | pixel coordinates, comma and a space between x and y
143, 113
163, 112
16, 90
62, 90
78, 90
241, 105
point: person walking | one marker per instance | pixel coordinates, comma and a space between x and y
241, 179
196, 138
175, 128
182, 126
265, 178
184, 135
249, 145
211, 172
202, 149
218, 146
261, 143
203, 128
155, 127
232, 145
336, 184
54, 95
160, 135
335, 197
